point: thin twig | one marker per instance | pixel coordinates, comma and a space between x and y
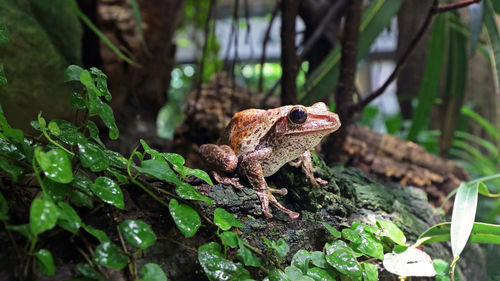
267, 36
401, 62
454, 6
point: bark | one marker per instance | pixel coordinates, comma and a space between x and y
410, 77
289, 60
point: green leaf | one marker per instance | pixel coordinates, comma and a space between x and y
276, 275
41, 121
99, 234
301, 260
186, 191
54, 129
376, 17
72, 73
392, 231
295, 274
68, 218
186, 218
152, 272
351, 235
367, 243
13, 170
318, 259
55, 164
199, 174
87, 271
77, 102
462, 218
106, 254
225, 220
494, 37
56, 191
24, 229
68, 132
370, 272
160, 170
3, 78
138, 233
282, 248
80, 199
431, 78
93, 130
246, 256
174, 158
334, 232
229, 238
216, 267
101, 84
43, 215
319, 274
483, 122
4, 208
342, 258
483, 190
81, 181
483, 233
4, 34
92, 156
86, 78
45, 262
109, 192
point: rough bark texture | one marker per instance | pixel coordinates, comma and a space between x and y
410, 77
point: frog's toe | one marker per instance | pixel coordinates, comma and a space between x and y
282, 191
321, 181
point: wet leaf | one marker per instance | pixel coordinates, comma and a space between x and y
276, 275
216, 267
24, 229
334, 232
301, 260
160, 170
318, 259
77, 102
225, 220
186, 218
138, 233
92, 156
109, 192
106, 254
80, 199
174, 158
152, 272
68, 132
55, 164
392, 231
295, 274
68, 218
13, 170
186, 191
342, 258
56, 191
43, 215
54, 129
367, 243
370, 272
87, 271
246, 256
73, 73
81, 181
319, 274
229, 238
99, 234
45, 262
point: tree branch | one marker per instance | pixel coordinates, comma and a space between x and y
454, 6
267, 36
289, 59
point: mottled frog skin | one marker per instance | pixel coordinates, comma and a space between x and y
256, 143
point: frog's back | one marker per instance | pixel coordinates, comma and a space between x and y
247, 128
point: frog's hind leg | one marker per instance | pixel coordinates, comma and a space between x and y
227, 180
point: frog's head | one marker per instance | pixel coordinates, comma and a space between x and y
315, 121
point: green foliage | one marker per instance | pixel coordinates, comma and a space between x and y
138, 233
185, 217
153, 272
45, 262
225, 220
216, 267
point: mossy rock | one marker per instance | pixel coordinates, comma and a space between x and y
45, 37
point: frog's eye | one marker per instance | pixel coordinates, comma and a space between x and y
298, 115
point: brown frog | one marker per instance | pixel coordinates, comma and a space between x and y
256, 143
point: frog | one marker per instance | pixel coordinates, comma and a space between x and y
257, 143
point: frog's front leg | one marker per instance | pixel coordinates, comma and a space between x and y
305, 162
253, 170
